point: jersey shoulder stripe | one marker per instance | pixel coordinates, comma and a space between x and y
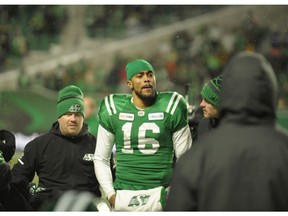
109, 103
113, 101
173, 102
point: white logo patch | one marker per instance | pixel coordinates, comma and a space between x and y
75, 108
141, 113
126, 116
156, 116
88, 157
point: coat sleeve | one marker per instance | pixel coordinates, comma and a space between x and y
5, 175
24, 170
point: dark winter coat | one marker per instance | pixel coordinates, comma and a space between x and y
10, 198
205, 125
5, 180
62, 163
242, 165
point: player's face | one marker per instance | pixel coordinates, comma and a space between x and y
143, 84
209, 111
71, 124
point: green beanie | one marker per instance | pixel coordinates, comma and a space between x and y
134, 67
70, 99
211, 90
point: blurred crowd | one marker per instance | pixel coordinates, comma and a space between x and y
24, 28
186, 60
125, 20
35, 27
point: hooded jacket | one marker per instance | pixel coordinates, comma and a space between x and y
242, 164
62, 163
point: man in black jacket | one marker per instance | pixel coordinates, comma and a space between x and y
62, 158
242, 164
209, 106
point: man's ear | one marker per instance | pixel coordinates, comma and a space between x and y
129, 84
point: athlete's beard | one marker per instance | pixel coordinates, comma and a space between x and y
149, 99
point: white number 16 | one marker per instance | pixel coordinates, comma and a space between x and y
142, 140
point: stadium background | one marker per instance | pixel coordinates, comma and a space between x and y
45, 47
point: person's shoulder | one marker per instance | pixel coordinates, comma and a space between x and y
116, 97
122, 97
173, 99
38, 141
114, 102
40, 137
170, 95
45, 138
167, 93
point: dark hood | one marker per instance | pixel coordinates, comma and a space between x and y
249, 91
56, 130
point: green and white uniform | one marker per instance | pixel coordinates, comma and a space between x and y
146, 141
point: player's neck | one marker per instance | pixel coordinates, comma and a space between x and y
140, 103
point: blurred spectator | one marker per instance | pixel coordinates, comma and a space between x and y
4, 46
91, 117
23, 79
117, 72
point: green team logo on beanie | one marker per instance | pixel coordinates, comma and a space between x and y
134, 67
70, 99
211, 90
75, 108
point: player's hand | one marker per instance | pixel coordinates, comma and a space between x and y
112, 200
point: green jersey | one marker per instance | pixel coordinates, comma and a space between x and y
143, 138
